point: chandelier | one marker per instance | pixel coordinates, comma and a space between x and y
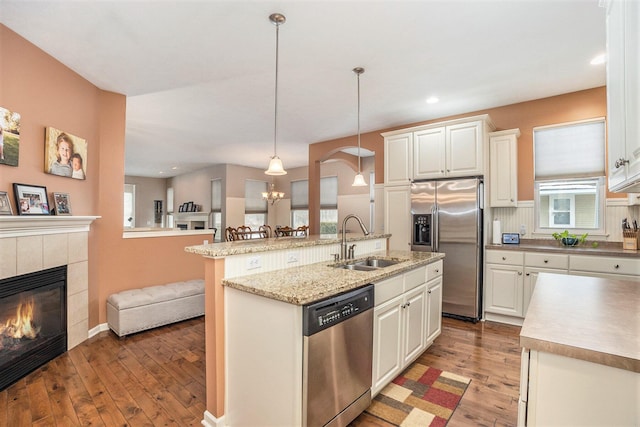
272, 195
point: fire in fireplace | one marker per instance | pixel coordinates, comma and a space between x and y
33, 325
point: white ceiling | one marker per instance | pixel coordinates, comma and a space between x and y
199, 75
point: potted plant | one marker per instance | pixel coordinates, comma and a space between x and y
568, 239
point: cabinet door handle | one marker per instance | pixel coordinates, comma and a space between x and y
546, 261
621, 162
408, 303
429, 291
437, 271
504, 258
616, 266
528, 274
519, 273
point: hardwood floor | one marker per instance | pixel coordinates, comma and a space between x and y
157, 378
489, 354
152, 378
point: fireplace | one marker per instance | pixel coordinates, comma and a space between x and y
33, 322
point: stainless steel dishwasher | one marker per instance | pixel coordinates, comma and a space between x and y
338, 348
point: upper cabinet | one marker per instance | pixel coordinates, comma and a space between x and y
397, 158
503, 164
448, 149
623, 95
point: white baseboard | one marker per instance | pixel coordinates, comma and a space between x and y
211, 421
96, 330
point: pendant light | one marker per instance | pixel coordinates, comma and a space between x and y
275, 165
359, 181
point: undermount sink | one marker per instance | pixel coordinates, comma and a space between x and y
368, 264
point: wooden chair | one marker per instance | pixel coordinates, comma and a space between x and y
302, 231
230, 234
284, 231
265, 231
243, 232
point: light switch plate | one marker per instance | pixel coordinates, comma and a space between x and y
254, 262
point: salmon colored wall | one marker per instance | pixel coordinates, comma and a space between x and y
46, 93
586, 104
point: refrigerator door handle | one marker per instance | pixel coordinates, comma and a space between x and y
434, 228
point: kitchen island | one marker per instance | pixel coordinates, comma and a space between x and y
581, 353
287, 273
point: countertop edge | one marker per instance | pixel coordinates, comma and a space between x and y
275, 243
594, 356
350, 280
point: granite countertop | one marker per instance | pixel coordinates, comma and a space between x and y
548, 245
273, 244
587, 318
309, 283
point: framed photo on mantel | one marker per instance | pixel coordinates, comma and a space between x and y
31, 199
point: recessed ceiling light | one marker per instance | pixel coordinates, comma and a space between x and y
600, 59
432, 100
160, 172
174, 168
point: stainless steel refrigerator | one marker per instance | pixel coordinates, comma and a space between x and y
447, 217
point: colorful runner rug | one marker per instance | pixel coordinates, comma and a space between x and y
420, 396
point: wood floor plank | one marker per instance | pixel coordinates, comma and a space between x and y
39, 400
18, 410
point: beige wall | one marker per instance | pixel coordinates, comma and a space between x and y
148, 190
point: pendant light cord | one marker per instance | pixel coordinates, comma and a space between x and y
359, 168
275, 119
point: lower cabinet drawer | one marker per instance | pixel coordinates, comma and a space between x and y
434, 270
609, 265
544, 260
388, 289
505, 257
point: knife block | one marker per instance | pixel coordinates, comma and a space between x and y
630, 240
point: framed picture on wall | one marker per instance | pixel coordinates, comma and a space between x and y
65, 154
31, 199
5, 205
9, 137
62, 203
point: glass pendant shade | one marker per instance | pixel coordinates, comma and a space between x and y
359, 181
275, 167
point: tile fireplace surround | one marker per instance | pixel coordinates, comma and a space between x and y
34, 243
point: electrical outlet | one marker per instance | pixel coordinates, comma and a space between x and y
206, 242
523, 230
378, 245
292, 257
253, 263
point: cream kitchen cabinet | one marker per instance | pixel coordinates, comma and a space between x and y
452, 149
397, 158
623, 95
621, 268
446, 149
402, 307
511, 278
503, 166
434, 302
397, 216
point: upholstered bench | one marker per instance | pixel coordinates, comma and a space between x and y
136, 310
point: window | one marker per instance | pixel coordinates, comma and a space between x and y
569, 177
328, 204
255, 207
299, 203
216, 207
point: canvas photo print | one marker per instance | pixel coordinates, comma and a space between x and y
65, 154
9, 137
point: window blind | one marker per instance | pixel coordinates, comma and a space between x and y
253, 201
300, 194
329, 192
569, 151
